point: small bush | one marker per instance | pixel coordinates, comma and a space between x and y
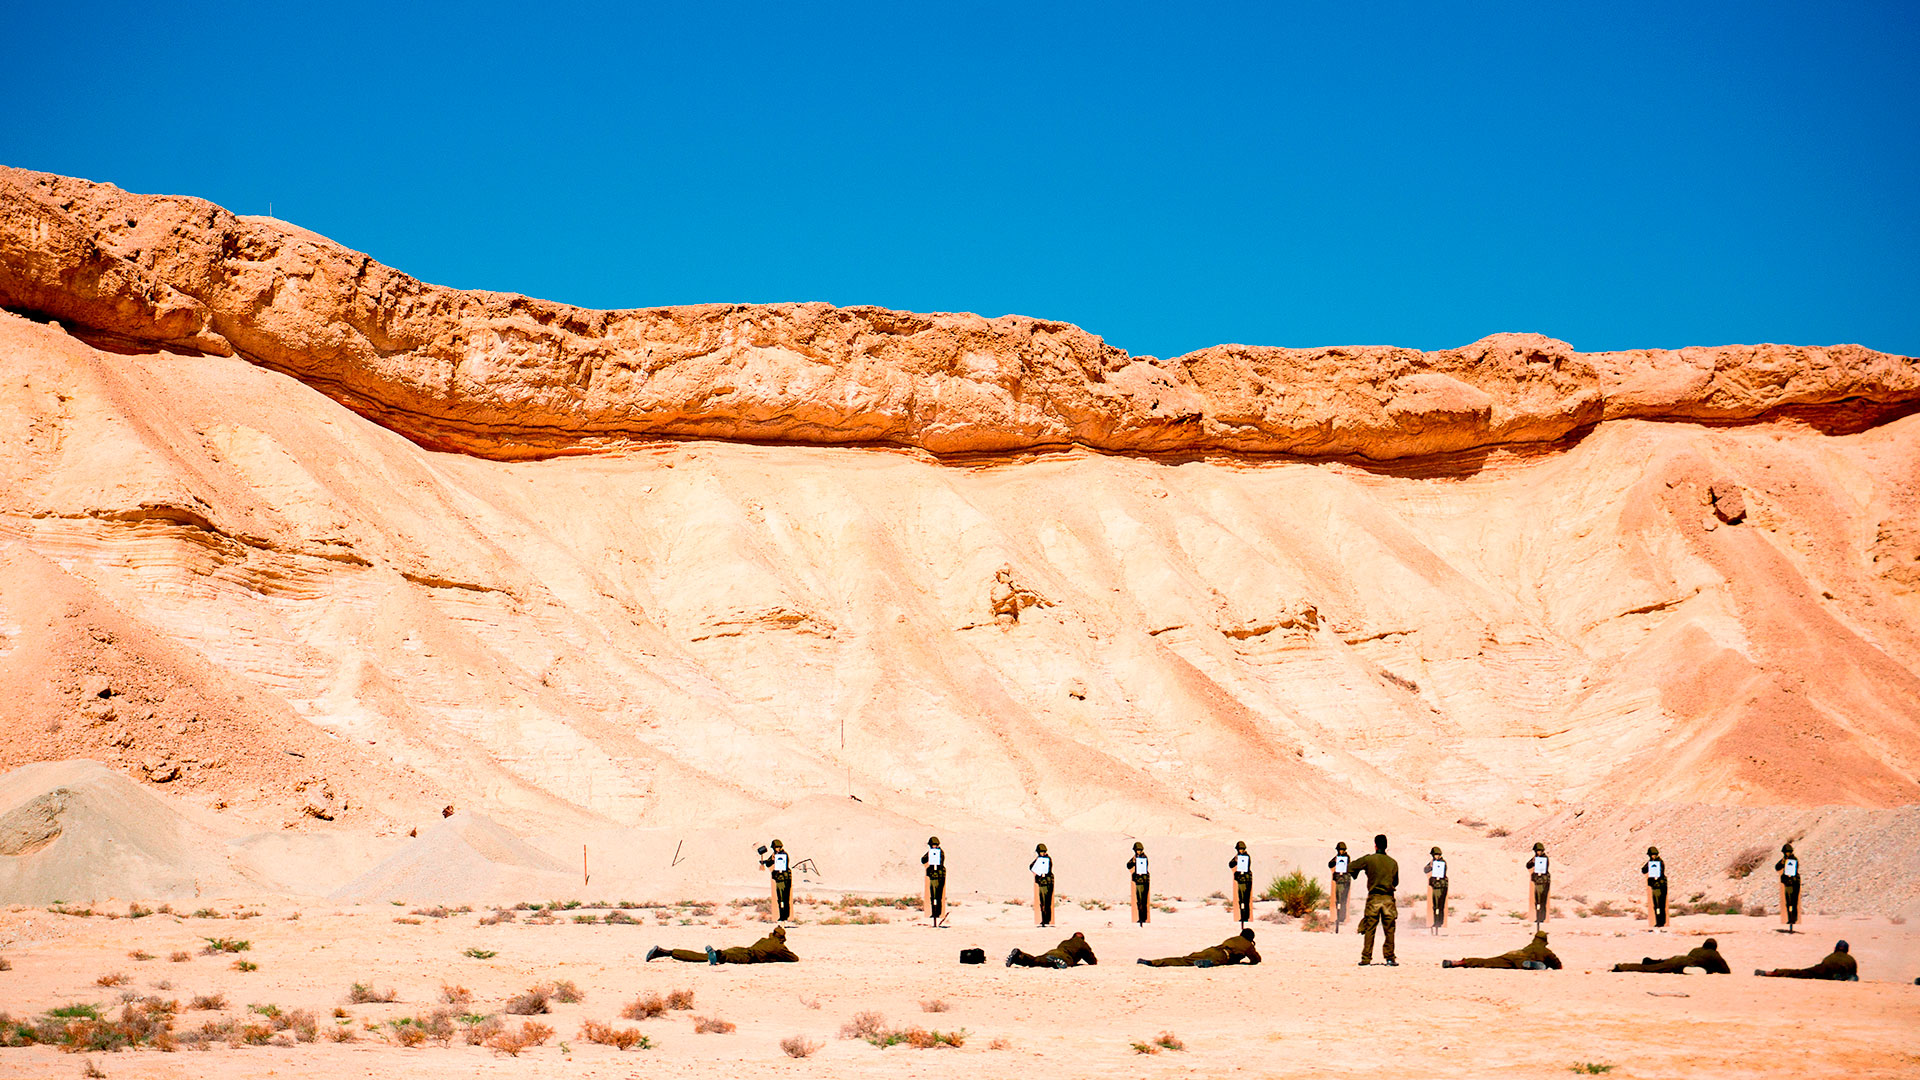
621, 1038
644, 1008
680, 1000
341, 1032
406, 1032
864, 1025
208, 1003
225, 945
5, 964
1591, 1068
1167, 1040
798, 1046
710, 1025
1747, 862
455, 995
480, 954
500, 915
534, 1001
92, 1071
512, 1042
934, 1005
115, 979
365, 994
1145, 1048
304, 1026
1000, 1044
245, 965
139, 954
478, 1028
564, 992
1298, 894
180, 957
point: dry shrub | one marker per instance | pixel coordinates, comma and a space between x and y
208, 1002
620, 1038
1000, 1044
364, 994
680, 1000
408, 1034
864, 1025
1169, 1041
482, 1028
341, 1033
934, 1005
500, 915
511, 1043
455, 995
798, 1046
92, 1071
114, 979
180, 957
139, 954
304, 1026
706, 1025
644, 1008
1747, 862
1145, 1048
5, 964
1499, 832
564, 992
533, 1002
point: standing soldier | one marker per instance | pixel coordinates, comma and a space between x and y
782, 882
1342, 878
1536, 865
1142, 884
1656, 871
1383, 877
1437, 888
1042, 867
1242, 866
936, 863
1789, 867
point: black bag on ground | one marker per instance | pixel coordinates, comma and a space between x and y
973, 956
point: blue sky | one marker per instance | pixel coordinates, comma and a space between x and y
1168, 176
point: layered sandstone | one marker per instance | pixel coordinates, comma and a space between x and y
507, 376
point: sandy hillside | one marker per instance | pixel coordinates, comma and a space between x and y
317, 551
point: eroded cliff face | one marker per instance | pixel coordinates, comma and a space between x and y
1715, 625
505, 376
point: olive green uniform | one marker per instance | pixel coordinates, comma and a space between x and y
1043, 887
1142, 888
688, 956
1074, 950
1342, 884
1838, 966
1234, 950
781, 865
1706, 957
936, 862
1383, 877
1535, 952
771, 949
1542, 885
1656, 870
1437, 890
1242, 885
1790, 886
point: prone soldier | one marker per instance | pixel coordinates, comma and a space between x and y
1534, 956
1074, 950
1237, 949
1656, 870
1142, 884
1839, 966
1707, 957
782, 869
771, 949
1042, 867
936, 863
1242, 866
1542, 880
1437, 888
1383, 877
1342, 880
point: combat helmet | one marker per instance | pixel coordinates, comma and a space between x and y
1436, 849
777, 846
1653, 851
1341, 846
1539, 847
1138, 846
933, 841
1039, 849
1239, 845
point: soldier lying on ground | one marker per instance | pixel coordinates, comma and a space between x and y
1534, 957
1074, 950
1838, 966
1707, 956
771, 949
1236, 949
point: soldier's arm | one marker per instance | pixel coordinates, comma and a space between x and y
1253, 955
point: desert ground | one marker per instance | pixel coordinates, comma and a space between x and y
1307, 1010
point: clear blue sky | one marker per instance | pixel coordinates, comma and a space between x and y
1166, 175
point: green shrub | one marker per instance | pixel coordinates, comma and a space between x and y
1298, 894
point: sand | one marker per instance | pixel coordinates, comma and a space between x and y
1308, 1010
